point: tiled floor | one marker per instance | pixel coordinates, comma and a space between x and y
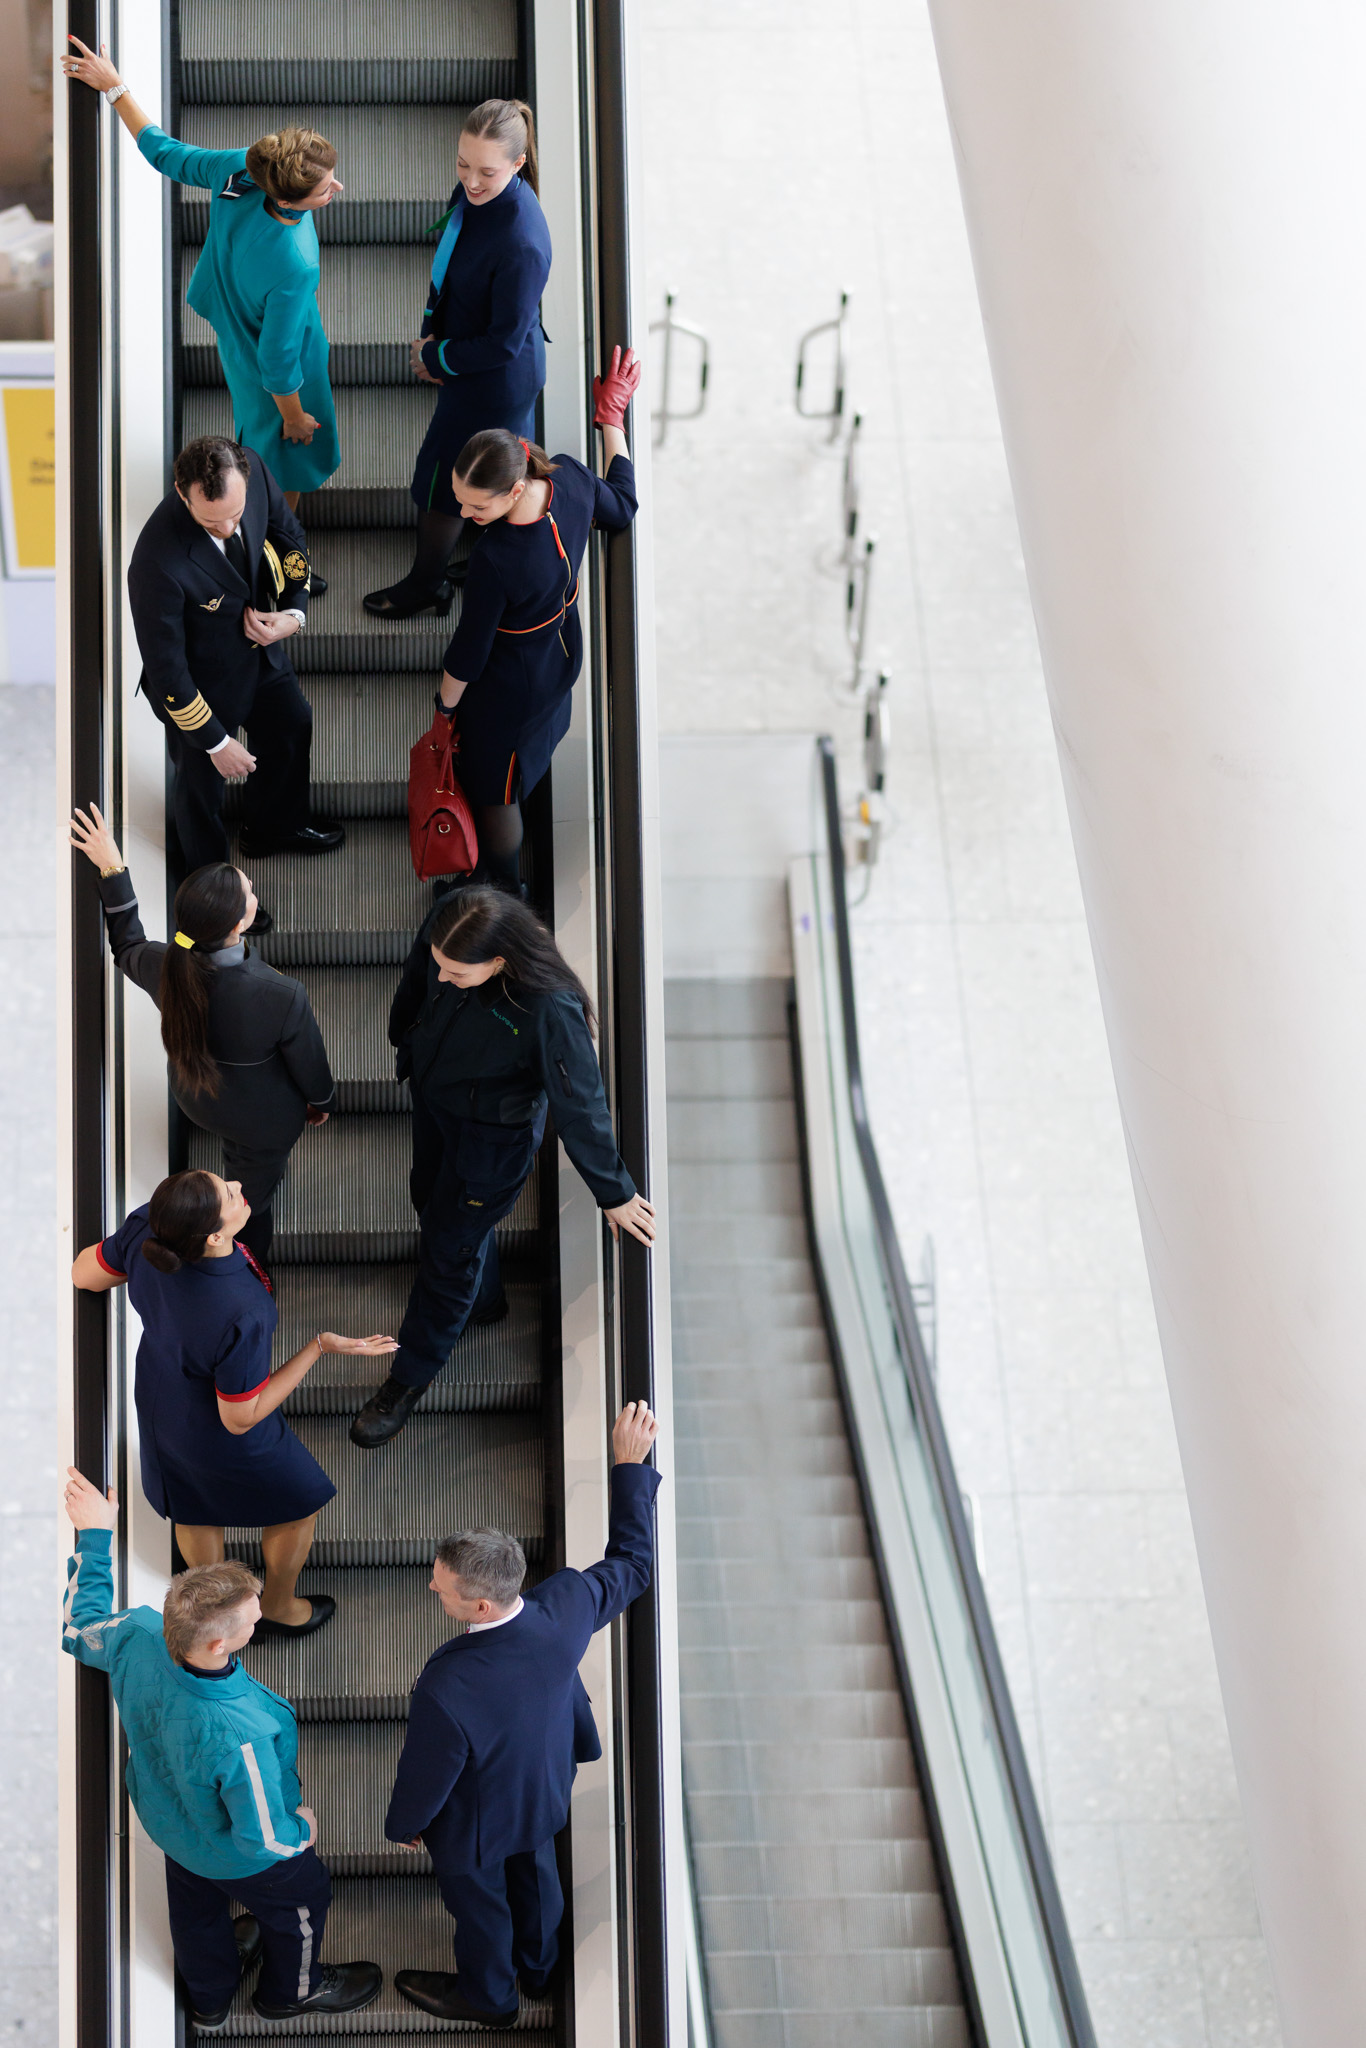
28, 1456
794, 149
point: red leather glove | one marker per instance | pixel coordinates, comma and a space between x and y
614, 392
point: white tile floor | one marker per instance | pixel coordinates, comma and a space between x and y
794, 149
28, 1408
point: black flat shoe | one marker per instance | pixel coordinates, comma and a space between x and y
324, 1607
345, 1987
317, 585
404, 600
385, 1413
308, 839
438, 1992
262, 922
497, 1312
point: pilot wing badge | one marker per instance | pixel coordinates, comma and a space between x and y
212, 605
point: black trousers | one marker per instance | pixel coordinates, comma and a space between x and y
290, 1901
507, 1918
279, 730
465, 1179
260, 1173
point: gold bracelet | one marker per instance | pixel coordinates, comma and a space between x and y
119, 868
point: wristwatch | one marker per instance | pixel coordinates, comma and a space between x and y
119, 868
115, 92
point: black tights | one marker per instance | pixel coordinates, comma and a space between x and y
500, 842
437, 534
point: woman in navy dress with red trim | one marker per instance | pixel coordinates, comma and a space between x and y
216, 1451
514, 657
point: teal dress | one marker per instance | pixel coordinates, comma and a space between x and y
256, 283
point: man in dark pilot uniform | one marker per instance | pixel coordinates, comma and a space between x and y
218, 583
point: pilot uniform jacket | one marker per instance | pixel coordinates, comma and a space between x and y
200, 673
498, 1719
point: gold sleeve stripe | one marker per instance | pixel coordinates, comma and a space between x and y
191, 716
277, 574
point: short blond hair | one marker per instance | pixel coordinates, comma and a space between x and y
199, 1602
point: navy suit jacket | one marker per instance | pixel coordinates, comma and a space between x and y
199, 670
489, 1758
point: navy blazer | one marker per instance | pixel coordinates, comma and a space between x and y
199, 670
483, 320
489, 1758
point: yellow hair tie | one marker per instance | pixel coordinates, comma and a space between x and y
181, 940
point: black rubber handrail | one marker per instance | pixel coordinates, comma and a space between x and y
82, 395
925, 1402
625, 821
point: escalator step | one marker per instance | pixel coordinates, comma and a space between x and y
349, 1768
364, 728
361, 905
341, 634
345, 1195
443, 1473
396, 162
367, 294
380, 428
410, 51
401, 1924
362, 1665
494, 1366
351, 1005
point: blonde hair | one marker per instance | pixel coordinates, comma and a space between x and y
199, 1603
512, 125
288, 165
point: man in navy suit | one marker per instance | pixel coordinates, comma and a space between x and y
218, 582
498, 1721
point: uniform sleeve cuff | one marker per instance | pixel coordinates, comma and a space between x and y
250, 1394
105, 1267
94, 1539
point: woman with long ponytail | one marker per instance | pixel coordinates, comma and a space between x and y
494, 1031
245, 1056
216, 1451
481, 342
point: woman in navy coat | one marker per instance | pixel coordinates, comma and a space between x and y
481, 341
514, 657
216, 1451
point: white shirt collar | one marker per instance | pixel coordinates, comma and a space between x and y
220, 543
476, 1628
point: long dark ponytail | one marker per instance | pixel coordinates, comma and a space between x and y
475, 925
208, 904
182, 1212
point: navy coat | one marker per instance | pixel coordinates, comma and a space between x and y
199, 670
491, 1748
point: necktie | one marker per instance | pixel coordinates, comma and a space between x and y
236, 551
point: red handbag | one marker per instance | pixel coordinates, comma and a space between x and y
440, 822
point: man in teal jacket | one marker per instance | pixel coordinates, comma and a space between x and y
211, 1773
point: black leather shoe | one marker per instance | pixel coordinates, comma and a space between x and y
308, 839
497, 1312
345, 1987
324, 1607
537, 1989
438, 1992
385, 1413
248, 1932
404, 600
317, 585
262, 922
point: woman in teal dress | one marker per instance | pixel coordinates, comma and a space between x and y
256, 282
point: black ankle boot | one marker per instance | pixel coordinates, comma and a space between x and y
385, 1413
405, 599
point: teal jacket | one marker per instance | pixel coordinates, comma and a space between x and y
256, 283
211, 1761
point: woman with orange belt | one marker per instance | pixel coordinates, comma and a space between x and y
517, 651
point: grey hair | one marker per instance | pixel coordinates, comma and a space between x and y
488, 1564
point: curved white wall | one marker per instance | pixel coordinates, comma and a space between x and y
1167, 205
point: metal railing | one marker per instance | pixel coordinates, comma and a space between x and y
834, 412
1019, 1968
664, 412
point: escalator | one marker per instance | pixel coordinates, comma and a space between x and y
494, 1440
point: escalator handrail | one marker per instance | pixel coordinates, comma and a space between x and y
925, 1402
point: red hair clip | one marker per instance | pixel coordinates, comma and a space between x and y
526, 448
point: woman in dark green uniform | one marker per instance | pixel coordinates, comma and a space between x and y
493, 1029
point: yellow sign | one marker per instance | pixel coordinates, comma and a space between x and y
30, 440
